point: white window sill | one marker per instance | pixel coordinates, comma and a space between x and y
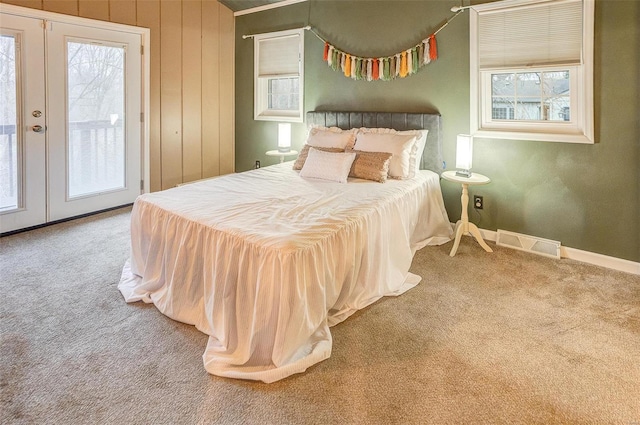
542, 137
280, 118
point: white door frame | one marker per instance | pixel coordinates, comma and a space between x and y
31, 178
145, 34
63, 202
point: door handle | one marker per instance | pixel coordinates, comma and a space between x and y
38, 129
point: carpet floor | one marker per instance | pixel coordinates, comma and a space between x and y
507, 337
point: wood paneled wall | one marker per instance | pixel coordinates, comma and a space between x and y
192, 80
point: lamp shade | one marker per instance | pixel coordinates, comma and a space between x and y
464, 152
284, 137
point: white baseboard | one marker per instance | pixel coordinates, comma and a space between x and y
600, 260
584, 256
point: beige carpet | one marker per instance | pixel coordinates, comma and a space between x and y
506, 337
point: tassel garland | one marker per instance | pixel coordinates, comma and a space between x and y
401, 64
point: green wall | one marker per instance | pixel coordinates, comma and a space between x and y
585, 196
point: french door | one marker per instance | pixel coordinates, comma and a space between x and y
70, 119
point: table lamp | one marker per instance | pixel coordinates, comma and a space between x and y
284, 137
464, 155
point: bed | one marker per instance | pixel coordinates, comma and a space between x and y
264, 262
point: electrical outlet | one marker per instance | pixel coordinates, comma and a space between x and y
257, 164
478, 202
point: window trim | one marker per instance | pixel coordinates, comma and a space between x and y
582, 88
261, 84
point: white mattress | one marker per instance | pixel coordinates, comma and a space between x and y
264, 262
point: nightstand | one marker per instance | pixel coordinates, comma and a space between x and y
281, 154
463, 226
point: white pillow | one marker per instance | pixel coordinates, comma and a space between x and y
418, 147
334, 166
331, 137
402, 164
418, 150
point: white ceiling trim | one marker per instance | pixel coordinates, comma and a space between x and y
267, 7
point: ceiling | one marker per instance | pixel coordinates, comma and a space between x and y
238, 5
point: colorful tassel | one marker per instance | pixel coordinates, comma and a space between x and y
427, 56
410, 65
353, 67
392, 67
347, 65
433, 49
325, 55
403, 64
414, 60
385, 69
375, 69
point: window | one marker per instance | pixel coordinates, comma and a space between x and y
278, 71
530, 96
532, 70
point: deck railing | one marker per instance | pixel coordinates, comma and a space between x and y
95, 156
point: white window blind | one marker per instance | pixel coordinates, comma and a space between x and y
279, 56
536, 34
279, 75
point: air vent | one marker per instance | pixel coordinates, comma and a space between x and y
527, 243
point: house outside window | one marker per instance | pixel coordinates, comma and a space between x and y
502, 111
278, 75
531, 96
532, 70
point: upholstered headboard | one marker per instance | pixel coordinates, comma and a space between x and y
432, 157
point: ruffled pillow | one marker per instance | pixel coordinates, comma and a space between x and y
415, 153
333, 166
402, 165
421, 143
331, 137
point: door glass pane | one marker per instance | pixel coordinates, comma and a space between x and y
8, 124
96, 141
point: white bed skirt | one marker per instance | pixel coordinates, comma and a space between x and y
315, 253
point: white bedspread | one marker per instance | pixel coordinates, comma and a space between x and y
264, 262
